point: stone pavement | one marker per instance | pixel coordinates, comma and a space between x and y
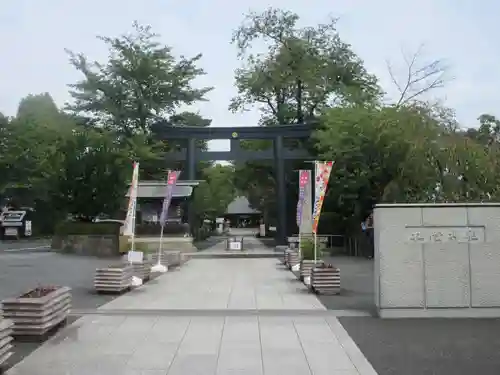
134, 334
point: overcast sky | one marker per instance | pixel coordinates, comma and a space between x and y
34, 33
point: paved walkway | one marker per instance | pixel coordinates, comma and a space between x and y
133, 335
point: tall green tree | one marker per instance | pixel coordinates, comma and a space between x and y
142, 82
140, 85
398, 154
94, 174
215, 193
303, 71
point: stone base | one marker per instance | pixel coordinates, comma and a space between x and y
113, 279
306, 266
142, 270
487, 312
95, 245
293, 258
5, 341
36, 316
168, 258
325, 280
182, 244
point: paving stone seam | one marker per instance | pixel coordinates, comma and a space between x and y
260, 345
358, 359
179, 346
220, 312
302, 348
220, 346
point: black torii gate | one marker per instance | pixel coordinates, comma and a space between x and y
191, 154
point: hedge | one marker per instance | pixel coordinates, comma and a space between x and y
82, 228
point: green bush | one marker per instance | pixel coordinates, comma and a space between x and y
307, 249
203, 232
80, 228
125, 246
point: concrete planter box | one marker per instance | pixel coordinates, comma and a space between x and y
37, 312
169, 258
325, 280
306, 266
284, 259
113, 279
142, 270
280, 249
292, 259
5, 341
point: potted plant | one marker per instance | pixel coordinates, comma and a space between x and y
38, 311
5, 341
308, 262
114, 278
325, 279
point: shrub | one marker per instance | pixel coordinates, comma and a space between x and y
85, 228
307, 249
125, 246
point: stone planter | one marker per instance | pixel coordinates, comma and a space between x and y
113, 279
280, 249
5, 341
325, 279
292, 259
169, 258
37, 312
142, 270
306, 266
284, 259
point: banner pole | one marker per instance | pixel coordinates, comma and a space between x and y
133, 227
135, 187
315, 246
300, 245
160, 247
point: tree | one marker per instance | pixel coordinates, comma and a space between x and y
95, 171
398, 154
39, 110
488, 132
30, 145
136, 92
418, 77
215, 193
304, 71
141, 83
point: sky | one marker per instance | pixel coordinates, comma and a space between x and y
34, 35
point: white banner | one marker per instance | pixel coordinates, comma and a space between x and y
129, 229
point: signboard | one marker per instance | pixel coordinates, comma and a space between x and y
14, 215
11, 232
27, 228
235, 245
13, 218
448, 235
135, 256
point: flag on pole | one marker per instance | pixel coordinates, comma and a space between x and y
323, 170
129, 227
303, 180
171, 181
